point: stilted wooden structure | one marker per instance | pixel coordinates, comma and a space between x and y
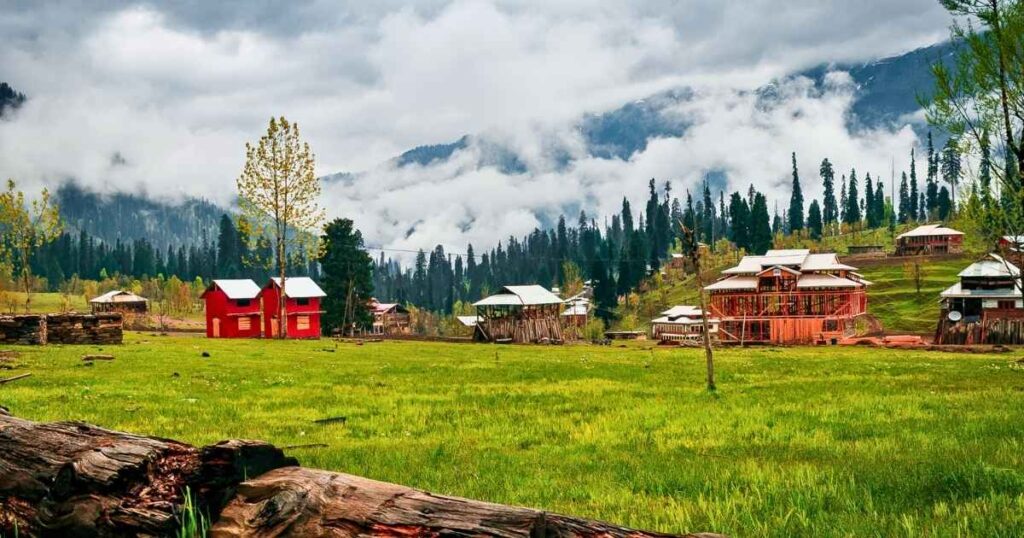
521, 315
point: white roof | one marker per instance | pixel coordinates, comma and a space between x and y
682, 310
993, 266
240, 288
734, 283
576, 310
824, 262
681, 321
469, 321
799, 258
299, 287
927, 230
826, 281
957, 292
530, 295
118, 296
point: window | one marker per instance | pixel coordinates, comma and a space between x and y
243, 302
302, 301
302, 323
245, 324
1007, 304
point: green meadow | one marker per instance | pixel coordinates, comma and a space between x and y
796, 442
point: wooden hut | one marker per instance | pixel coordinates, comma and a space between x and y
682, 323
119, 301
866, 251
929, 239
389, 318
302, 307
787, 297
985, 306
519, 314
232, 308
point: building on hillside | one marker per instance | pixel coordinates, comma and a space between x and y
519, 314
787, 297
302, 307
866, 251
929, 239
119, 301
985, 306
577, 309
676, 261
1011, 243
682, 323
389, 318
232, 308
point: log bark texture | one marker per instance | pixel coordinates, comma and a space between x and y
73, 479
294, 501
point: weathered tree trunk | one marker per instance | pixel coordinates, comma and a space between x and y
304, 502
73, 479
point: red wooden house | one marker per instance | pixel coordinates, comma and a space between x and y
929, 239
302, 307
787, 297
232, 309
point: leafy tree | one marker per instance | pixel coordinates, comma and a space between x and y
796, 202
25, 227
278, 193
347, 280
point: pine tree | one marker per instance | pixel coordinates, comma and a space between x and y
904, 211
796, 202
951, 171
880, 204
869, 202
843, 202
347, 277
829, 211
853, 215
913, 211
760, 229
985, 172
814, 223
739, 215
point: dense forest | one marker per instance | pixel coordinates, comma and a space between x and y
9, 98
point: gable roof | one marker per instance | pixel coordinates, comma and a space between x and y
929, 230
994, 266
799, 259
530, 295
118, 296
234, 288
299, 287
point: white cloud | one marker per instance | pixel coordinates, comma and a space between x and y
177, 90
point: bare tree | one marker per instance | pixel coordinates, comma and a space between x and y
692, 248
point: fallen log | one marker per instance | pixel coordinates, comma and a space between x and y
74, 479
15, 378
294, 501
97, 357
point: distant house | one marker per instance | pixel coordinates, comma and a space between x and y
389, 318
681, 323
519, 314
929, 239
577, 308
119, 301
787, 297
985, 306
1011, 243
232, 309
302, 307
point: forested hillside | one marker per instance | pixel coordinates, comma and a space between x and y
9, 98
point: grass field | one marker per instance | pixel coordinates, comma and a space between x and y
797, 442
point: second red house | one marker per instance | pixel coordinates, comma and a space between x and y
302, 307
232, 309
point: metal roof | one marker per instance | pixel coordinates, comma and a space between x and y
529, 295
957, 292
929, 230
240, 288
299, 287
994, 266
799, 258
826, 281
682, 310
825, 262
468, 321
576, 310
734, 283
118, 296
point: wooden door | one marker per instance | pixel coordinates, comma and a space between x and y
274, 329
216, 327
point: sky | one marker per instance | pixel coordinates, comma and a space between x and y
162, 97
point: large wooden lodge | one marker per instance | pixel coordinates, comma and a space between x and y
787, 297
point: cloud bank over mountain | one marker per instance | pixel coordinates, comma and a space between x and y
161, 99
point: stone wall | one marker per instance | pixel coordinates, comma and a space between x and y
74, 328
70, 328
28, 329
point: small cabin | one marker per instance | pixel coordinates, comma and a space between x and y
232, 309
929, 239
985, 306
119, 301
302, 307
519, 314
681, 324
389, 318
